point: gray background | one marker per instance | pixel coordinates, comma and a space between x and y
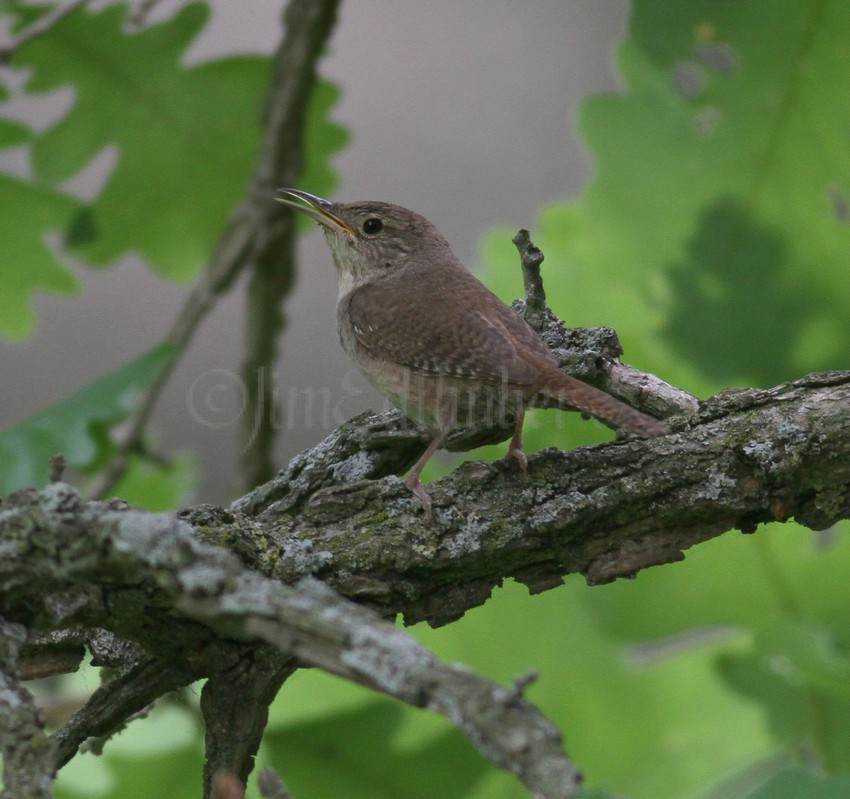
464, 111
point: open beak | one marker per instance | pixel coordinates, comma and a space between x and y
315, 207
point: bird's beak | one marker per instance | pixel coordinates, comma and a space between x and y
315, 207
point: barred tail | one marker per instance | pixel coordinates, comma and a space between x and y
568, 392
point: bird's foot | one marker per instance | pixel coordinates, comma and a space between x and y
516, 454
413, 484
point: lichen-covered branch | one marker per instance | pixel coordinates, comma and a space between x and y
162, 588
188, 610
322, 629
172, 585
746, 457
235, 702
530, 260
371, 446
28, 764
127, 694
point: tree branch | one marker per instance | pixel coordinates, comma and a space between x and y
125, 695
256, 227
746, 457
308, 25
592, 355
530, 260
235, 703
184, 585
27, 752
322, 629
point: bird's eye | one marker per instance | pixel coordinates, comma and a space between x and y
372, 226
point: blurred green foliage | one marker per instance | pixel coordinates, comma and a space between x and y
185, 141
713, 236
77, 427
714, 233
349, 753
27, 262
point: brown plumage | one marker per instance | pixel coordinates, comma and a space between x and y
428, 334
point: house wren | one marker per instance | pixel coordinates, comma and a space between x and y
431, 337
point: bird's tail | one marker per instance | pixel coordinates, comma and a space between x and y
569, 393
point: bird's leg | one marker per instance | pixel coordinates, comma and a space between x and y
515, 447
412, 480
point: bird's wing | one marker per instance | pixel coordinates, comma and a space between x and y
491, 343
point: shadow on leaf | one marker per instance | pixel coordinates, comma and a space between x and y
735, 312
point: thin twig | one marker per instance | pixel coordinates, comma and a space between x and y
308, 25
256, 226
38, 28
57, 465
139, 15
271, 785
531, 259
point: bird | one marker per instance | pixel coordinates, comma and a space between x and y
431, 337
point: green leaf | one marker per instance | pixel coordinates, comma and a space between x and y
157, 486
621, 717
12, 134
153, 757
323, 138
732, 187
801, 782
19, 15
737, 581
714, 234
811, 656
27, 265
800, 675
773, 608
77, 426
186, 137
361, 753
